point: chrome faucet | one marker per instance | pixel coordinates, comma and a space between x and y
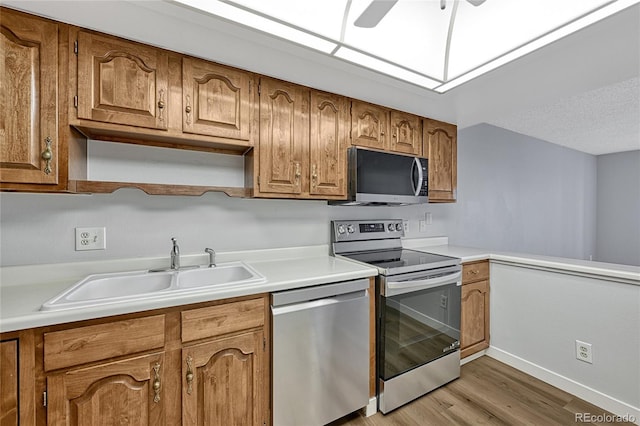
212, 257
175, 255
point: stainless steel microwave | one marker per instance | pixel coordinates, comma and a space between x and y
382, 178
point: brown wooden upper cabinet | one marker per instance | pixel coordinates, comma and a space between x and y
369, 125
29, 147
406, 133
440, 147
373, 126
122, 82
216, 100
303, 140
328, 146
284, 136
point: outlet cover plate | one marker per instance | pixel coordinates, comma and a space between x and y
91, 239
584, 351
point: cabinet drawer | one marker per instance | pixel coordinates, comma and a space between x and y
222, 319
475, 271
97, 342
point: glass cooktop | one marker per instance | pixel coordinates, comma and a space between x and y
401, 260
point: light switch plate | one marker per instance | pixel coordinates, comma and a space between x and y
91, 239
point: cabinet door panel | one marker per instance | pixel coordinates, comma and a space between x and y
328, 144
223, 382
284, 134
29, 115
9, 383
440, 147
475, 317
369, 125
122, 82
122, 392
217, 100
406, 133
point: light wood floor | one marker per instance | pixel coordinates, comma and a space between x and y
488, 392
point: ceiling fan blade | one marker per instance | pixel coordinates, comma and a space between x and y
374, 13
476, 2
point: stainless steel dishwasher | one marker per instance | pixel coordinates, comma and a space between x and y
320, 353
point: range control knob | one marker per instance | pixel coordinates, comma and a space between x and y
350, 229
390, 227
341, 229
399, 226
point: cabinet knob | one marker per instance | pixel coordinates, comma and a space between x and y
187, 109
161, 105
47, 155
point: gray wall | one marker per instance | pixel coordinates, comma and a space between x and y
618, 210
517, 193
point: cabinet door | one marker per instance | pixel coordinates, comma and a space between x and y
406, 133
369, 125
474, 327
328, 145
284, 136
29, 93
217, 100
122, 82
9, 382
223, 382
130, 391
440, 147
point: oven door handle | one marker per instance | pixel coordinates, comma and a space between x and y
400, 287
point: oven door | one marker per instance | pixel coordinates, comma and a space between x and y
419, 319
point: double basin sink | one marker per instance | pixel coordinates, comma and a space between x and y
101, 289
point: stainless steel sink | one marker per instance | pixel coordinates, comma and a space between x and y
102, 289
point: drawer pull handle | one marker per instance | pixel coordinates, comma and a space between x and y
475, 272
314, 175
189, 375
47, 155
156, 383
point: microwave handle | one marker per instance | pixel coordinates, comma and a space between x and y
417, 188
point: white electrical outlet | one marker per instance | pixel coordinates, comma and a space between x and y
584, 352
423, 225
428, 218
405, 224
91, 239
443, 301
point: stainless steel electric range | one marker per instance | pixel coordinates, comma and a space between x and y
417, 309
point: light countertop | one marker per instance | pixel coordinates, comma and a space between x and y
23, 289
608, 271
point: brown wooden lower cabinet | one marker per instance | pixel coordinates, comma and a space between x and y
121, 392
17, 379
474, 326
223, 381
166, 375
9, 382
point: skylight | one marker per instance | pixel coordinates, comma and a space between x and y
417, 41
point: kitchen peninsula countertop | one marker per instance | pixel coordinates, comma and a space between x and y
23, 289
608, 271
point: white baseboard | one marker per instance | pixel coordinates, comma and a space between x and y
371, 408
568, 385
471, 357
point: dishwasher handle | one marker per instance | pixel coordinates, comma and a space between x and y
312, 304
324, 291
